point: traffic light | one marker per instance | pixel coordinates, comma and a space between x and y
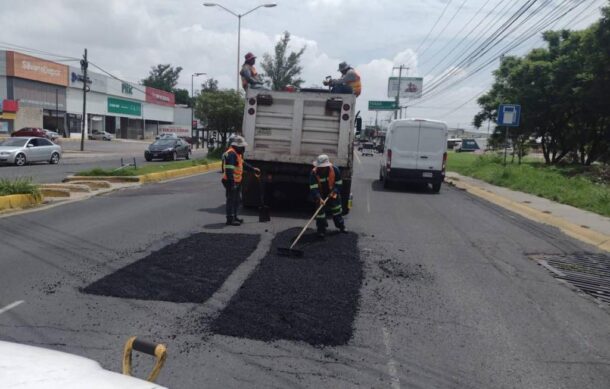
358, 125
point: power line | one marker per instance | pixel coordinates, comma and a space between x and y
434, 26
443, 29
11, 46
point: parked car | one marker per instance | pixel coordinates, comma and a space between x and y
415, 151
367, 149
168, 149
30, 131
100, 135
51, 134
21, 150
467, 145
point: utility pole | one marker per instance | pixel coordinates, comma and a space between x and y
84, 64
398, 90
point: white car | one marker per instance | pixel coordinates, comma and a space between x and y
100, 135
21, 151
415, 151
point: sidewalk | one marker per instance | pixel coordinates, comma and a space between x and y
583, 225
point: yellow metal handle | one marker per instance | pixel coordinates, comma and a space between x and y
159, 351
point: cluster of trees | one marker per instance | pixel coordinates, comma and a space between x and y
222, 109
564, 92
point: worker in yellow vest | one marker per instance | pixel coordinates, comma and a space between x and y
233, 167
348, 83
325, 183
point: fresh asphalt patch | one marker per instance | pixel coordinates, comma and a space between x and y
313, 299
188, 271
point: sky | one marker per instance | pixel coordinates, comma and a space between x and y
433, 38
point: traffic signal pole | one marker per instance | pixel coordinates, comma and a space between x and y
84, 64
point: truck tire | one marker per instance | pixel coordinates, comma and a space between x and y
346, 192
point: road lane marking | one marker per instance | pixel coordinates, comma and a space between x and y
358, 159
391, 362
368, 201
11, 306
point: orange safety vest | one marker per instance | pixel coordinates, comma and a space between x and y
237, 170
253, 73
356, 84
330, 179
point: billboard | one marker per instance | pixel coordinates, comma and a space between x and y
161, 97
410, 87
32, 68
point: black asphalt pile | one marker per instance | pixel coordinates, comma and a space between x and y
190, 270
313, 299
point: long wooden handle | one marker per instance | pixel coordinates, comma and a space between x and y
309, 222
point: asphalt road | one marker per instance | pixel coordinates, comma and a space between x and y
97, 153
447, 294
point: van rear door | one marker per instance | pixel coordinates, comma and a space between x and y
404, 144
432, 146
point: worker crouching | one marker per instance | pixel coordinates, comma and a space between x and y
325, 184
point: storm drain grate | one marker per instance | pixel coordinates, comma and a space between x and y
586, 271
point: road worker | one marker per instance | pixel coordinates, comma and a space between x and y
349, 81
234, 165
325, 182
248, 73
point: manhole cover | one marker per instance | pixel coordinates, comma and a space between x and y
588, 272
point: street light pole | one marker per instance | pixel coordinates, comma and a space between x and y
193, 105
239, 16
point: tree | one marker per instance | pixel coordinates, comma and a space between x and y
210, 85
283, 70
222, 110
182, 97
163, 77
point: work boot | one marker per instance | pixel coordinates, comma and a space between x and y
240, 221
232, 222
321, 233
342, 229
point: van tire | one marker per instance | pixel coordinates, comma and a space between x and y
436, 186
386, 183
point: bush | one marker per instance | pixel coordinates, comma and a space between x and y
18, 186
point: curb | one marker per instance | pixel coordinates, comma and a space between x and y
151, 177
18, 201
597, 239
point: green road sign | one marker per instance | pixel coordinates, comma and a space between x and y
124, 106
382, 105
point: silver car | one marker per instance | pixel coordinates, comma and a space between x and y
20, 151
100, 135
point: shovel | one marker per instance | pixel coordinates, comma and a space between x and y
291, 251
263, 210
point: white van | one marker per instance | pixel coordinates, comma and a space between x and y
415, 151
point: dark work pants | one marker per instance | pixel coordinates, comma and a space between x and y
332, 208
232, 195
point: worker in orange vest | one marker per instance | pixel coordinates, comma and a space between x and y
325, 183
349, 81
248, 73
233, 167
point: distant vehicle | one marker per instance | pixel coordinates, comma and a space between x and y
21, 150
452, 143
51, 135
30, 131
367, 149
467, 145
415, 151
100, 135
171, 149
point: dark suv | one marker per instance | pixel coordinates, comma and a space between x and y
30, 131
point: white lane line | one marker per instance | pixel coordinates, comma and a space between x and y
391, 362
11, 306
368, 201
358, 159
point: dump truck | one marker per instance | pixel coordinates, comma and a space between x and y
285, 132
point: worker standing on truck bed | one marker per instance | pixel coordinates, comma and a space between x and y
325, 181
248, 73
348, 83
234, 165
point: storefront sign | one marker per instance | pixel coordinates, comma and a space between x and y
182, 131
126, 89
129, 90
96, 82
125, 107
161, 97
32, 68
10, 106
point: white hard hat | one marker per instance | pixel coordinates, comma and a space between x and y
322, 161
238, 141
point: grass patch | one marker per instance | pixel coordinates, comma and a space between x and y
151, 168
577, 186
18, 186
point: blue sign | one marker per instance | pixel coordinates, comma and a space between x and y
509, 115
